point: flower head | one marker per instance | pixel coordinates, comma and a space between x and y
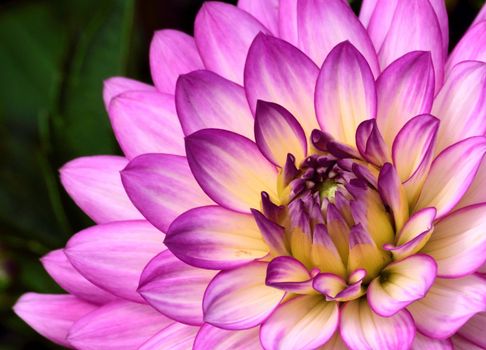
318, 179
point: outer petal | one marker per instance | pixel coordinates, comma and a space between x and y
239, 298
324, 24
461, 104
116, 85
451, 174
162, 187
112, 256
175, 288
345, 93
146, 122
215, 238
278, 72
471, 47
94, 184
463, 344
172, 53
264, 11
362, 329
405, 89
177, 336
61, 270
414, 27
477, 192
206, 100
406, 281
119, 325
222, 44
52, 315
214, 338
458, 243
287, 21
230, 168
422, 342
448, 305
304, 322
278, 133
474, 330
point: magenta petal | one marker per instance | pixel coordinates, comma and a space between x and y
120, 325
476, 193
222, 44
405, 89
287, 21
451, 174
112, 256
272, 233
206, 100
175, 288
278, 133
61, 270
94, 184
345, 93
370, 143
215, 238
210, 337
288, 273
239, 299
146, 122
264, 11
414, 27
52, 315
117, 85
162, 187
230, 168
324, 24
172, 53
177, 336
449, 304
278, 72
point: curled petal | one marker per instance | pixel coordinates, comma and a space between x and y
239, 299
289, 274
304, 322
370, 143
393, 193
420, 222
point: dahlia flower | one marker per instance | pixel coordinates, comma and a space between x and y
297, 178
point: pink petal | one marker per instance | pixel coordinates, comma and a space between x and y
177, 336
175, 288
162, 187
421, 221
52, 315
146, 122
112, 256
461, 104
393, 194
206, 100
213, 237
361, 328
451, 175
458, 243
414, 27
222, 44
474, 330
461, 343
61, 270
304, 322
230, 168
264, 11
239, 299
278, 72
471, 47
115, 86
405, 89
172, 53
345, 93
422, 342
324, 24
94, 184
481, 15
476, 193
449, 304
287, 21
214, 338
287, 273
278, 133
407, 280
119, 325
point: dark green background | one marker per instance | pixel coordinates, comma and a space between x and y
54, 56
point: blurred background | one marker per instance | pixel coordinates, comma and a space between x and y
54, 56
